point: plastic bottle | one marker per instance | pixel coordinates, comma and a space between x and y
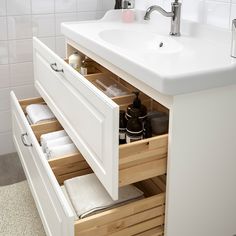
134, 129
75, 61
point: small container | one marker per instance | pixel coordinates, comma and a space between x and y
84, 66
134, 130
122, 128
159, 122
75, 61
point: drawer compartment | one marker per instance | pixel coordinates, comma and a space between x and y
92, 121
141, 217
138, 160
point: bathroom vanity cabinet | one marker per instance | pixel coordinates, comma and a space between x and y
188, 175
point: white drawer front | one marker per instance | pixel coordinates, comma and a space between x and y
55, 213
89, 117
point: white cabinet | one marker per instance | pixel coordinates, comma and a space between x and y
91, 119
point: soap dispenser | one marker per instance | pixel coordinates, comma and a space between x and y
136, 108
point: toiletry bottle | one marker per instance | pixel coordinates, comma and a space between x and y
137, 107
134, 129
122, 128
84, 66
75, 61
128, 14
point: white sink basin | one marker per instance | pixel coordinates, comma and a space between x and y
147, 42
197, 60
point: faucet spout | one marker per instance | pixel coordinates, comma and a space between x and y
159, 9
175, 15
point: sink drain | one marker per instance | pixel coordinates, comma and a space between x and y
161, 44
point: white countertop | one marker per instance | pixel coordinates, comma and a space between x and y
197, 60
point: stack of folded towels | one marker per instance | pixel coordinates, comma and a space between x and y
57, 144
38, 113
87, 195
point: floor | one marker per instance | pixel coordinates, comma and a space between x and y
11, 170
18, 215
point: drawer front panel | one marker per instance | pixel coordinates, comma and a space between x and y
89, 117
54, 211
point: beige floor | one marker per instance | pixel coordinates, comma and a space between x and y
18, 213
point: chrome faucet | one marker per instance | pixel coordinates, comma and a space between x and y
175, 15
233, 40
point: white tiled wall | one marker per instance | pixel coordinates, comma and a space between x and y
19, 21
213, 12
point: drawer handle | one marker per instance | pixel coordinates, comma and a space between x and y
54, 67
24, 140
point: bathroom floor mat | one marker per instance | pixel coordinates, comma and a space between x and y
18, 213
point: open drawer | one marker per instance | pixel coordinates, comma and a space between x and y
92, 121
140, 217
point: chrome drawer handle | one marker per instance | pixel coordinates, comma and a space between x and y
24, 141
54, 67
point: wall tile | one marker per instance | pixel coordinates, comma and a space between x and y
218, 14
89, 5
82, 16
6, 143
43, 25
26, 91
108, 4
5, 124
21, 73
65, 17
20, 51
42, 6
60, 46
19, 27
5, 76
3, 28
65, 6
5, 99
49, 42
18, 7
3, 8
3, 52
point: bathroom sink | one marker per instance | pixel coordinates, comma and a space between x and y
147, 42
197, 60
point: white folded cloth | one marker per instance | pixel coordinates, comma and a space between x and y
50, 136
63, 150
88, 196
68, 200
39, 112
57, 142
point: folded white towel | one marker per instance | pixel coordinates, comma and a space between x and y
88, 196
58, 151
50, 136
39, 112
57, 142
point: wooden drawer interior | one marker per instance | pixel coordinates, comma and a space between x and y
141, 217
142, 162
138, 160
